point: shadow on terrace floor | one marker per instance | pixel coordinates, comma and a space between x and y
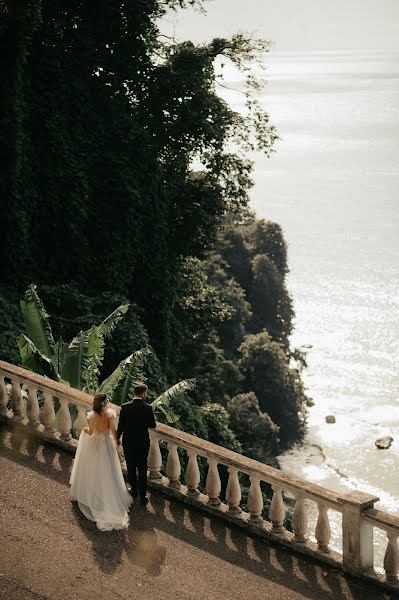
139, 544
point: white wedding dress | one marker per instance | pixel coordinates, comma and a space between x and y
96, 479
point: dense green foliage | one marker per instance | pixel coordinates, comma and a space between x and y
234, 321
101, 128
79, 363
102, 120
254, 428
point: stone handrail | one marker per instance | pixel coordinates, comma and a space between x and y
382, 520
248, 466
359, 516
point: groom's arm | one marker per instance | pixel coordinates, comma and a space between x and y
151, 419
121, 425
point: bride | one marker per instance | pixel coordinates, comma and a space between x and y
97, 482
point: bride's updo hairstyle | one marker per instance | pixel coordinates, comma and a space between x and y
99, 402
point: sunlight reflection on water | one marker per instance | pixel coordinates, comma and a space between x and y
332, 185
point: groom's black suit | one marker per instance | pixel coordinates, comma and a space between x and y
135, 418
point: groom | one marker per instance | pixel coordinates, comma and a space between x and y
135, 418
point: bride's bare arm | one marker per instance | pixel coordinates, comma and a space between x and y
113, 430
90, 428
111, 417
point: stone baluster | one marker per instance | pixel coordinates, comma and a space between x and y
192, 474
16, 393
3, 397
391, 558
233, 492
323, 531
277, 510
173, 468
154, 458
299, 519
81, 420
48, 414
213, 485
32, 407
64, 420
255, 499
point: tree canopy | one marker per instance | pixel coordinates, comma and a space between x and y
126, 178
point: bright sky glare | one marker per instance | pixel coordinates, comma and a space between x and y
296, 24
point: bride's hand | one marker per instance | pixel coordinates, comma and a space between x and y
86, 429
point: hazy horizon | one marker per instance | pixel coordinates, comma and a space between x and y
292, 25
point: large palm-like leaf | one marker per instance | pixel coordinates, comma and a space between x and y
93, 359
60, 352
34, 360
72, 365
36, 322
162, 403
126, 376
82, 361
108, 325
78, 363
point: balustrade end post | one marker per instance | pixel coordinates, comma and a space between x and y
357, 535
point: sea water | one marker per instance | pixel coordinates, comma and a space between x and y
333, 185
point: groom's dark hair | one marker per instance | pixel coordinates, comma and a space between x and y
140, 389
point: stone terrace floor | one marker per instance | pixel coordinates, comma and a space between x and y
48, 550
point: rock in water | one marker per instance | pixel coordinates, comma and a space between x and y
330, 419
384, 443
309, 402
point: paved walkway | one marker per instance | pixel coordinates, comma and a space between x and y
49, 551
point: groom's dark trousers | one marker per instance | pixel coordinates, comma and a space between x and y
136, 461
135, 418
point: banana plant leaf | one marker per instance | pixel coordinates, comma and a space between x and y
120, 384
36, 322
36, 361
74, 356
60, 350
162, 403
93, 359
108, 325
170, 416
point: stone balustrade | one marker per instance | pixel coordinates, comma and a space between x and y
21, 390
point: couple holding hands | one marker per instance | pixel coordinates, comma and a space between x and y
97, 482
